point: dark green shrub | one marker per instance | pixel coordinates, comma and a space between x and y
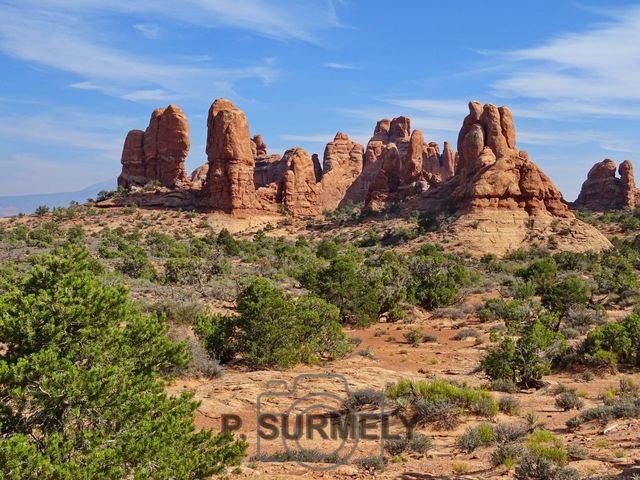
614, 342
41, 210
513, 313
194, 271
92, 367
136, 264
327, 249
228, 243
568, 293
165, 246
541, 272
437, 278
274, 329
351, 286
526, 360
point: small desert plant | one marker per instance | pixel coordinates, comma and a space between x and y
569, 401
576, 452
475, 437
440, 413
414, 336
467, 333
367, 396
503, 385
510, 432
367, 353
534, 467
460, 467
418, 443
506, 454
547, 445
509, 405
370, 464
202, 364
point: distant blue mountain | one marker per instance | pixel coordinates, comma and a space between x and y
13, 205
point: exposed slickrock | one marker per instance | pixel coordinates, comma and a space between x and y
602, 190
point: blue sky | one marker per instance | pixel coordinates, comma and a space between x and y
76, 75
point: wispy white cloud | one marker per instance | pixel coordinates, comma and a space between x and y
99, 134
149, 30
593, 72
66, 136
277, 19
65, 42
341, 66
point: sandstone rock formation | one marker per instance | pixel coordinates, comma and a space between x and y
158, 154
602, 190
342, 166
133, 162
229, 185
420, 164
260, 146
496, 198
493, 173
199, 175
268, 169
300, 191
499, 198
